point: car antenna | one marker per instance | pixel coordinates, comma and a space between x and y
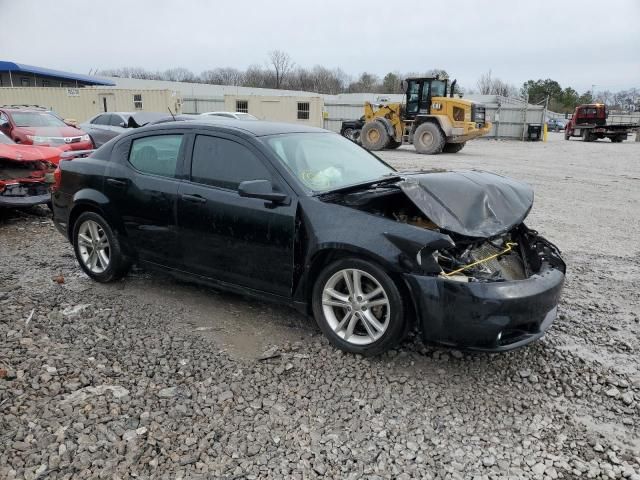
172, 115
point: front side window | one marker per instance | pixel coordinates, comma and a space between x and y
242, 106
36, 119
326, 161
224, 163
156, 155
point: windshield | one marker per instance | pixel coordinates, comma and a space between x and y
6, 140
326, 161
36, 119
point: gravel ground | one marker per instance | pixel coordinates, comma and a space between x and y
154, 378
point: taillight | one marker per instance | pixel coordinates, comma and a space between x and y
57, 178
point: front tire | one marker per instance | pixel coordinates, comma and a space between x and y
453, 147
358, 307
97, 248
374, 136
428, 139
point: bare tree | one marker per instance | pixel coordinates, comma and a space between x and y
179, 74
222, 76
487, 85
282, 66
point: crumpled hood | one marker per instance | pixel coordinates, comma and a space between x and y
469, 202
28, 153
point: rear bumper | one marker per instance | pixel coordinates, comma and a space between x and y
492, 316
27, 201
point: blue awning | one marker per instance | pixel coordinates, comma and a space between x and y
73, 77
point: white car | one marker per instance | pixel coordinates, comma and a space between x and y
236, 115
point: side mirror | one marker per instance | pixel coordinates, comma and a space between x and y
261, 189
124, 124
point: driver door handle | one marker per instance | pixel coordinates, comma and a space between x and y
193, 198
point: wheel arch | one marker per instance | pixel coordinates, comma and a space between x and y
329, 254
88, 200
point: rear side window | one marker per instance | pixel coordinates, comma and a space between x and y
157, 155
225, 163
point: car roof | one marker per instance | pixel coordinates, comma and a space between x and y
258, 128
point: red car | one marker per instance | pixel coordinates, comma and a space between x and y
40, 127
26, 173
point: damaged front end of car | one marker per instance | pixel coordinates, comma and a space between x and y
496, 284
25, 183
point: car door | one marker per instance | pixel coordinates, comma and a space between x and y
244, 241
98, 129
142, 187
115, 125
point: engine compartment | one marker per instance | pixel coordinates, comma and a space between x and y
515, 255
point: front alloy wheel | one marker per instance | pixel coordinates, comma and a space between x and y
358, 307
355, 306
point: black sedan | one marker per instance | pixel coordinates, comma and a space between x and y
303, 216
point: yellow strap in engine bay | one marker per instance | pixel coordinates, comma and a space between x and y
510, 246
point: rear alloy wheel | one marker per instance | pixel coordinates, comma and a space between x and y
97, 248
358, 307
428, 139
374, 136
453, 147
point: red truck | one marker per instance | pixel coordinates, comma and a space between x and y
589, 122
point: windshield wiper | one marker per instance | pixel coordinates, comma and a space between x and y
384, 180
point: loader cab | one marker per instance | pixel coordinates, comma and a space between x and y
419, 92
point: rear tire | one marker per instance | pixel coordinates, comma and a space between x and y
428, 139
566, 135
617, 139
587, 137
97, 248
347, 133
453, 147
374, 136
351, 320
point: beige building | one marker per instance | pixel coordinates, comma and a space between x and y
82, 103
289, 109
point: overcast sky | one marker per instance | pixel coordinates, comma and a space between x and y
576, 42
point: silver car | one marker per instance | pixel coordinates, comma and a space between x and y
105, 126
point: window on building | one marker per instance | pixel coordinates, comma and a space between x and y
303, 110
225, 163
137, 101
157, 155
25, 82
242, 106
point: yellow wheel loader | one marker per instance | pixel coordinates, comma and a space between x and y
428, 119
